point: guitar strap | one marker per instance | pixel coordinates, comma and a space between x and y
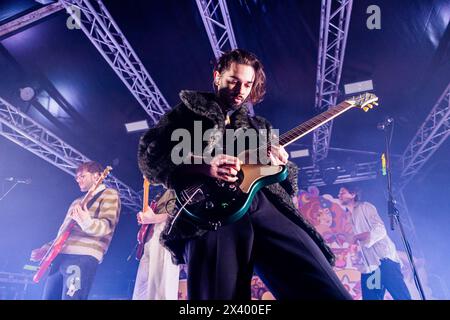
92, 201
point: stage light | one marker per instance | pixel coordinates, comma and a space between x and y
45, 2
357, 87
299, 153
50, 104
136, 126
27, 93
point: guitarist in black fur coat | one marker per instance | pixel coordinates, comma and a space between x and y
273, 238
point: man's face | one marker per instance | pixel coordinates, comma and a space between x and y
235, 84
86, 179
345, 196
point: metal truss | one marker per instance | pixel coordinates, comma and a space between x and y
216, 19
430, 136
313, 176
98, 25
27, 133
433, 132
334, 24
29, 18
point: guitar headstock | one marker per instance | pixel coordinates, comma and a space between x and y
105, 173
365, 101
146, 188
146, 183
102, 177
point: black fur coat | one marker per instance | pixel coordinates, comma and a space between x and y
154, 159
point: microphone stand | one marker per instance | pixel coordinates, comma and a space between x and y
394, 214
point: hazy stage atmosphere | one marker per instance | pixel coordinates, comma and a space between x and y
83, 80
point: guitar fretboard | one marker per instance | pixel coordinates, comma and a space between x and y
308, 126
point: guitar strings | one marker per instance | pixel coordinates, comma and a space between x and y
293, 133
181, 210
306, 126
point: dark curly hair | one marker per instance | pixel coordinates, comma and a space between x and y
353, 190
240, 56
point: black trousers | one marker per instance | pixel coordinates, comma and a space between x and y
70, 277
391, 279
221, 263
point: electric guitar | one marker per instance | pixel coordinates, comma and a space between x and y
146, 230
58, 244
213, 202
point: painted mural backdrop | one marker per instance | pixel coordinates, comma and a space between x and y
333, 223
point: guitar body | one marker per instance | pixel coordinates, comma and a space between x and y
217, 202
52, 253
144, 234
146, 230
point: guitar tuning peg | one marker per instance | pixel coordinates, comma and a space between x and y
375, 103
365, 109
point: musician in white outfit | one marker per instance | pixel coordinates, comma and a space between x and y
157, 277
381, 270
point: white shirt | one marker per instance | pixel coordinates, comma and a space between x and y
378, 246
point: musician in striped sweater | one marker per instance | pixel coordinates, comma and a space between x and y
72, 273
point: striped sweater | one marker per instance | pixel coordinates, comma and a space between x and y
166, 203
93, 238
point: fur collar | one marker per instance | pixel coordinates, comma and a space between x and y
205, 104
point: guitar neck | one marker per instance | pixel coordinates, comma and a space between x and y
312, 124
69, 226
89, 196
83, 202
145, 194
86, 197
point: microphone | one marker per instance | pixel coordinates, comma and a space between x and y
18, 180
386, 123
